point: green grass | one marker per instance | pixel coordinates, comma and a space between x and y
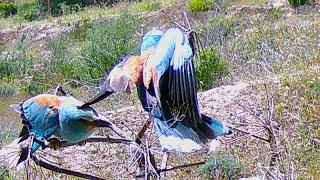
81, 57
149, 5
306, 87
91, 13
200, 5
263, 44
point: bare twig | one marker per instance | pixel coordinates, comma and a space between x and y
166, 15
57, 169
62, 144
249, 133
175, 168
148, 154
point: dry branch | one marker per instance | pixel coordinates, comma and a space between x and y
175, 168
249, 133
57, 169
56, 143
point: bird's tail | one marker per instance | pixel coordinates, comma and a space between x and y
210, 128
13, 154
180, 138
185, 139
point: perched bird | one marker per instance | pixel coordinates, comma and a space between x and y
46, 115
165, 78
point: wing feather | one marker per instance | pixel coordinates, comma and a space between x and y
177, 86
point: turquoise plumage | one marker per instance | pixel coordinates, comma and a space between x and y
46, 115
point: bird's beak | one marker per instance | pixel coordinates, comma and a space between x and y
104, 122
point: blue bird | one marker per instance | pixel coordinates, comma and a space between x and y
166, 85
46, 115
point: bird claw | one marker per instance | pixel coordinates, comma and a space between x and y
82, 143
55, 143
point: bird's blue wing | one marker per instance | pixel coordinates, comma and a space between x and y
40, 112
40, 118
182, 85
171, 70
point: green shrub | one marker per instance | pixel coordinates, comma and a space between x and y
14, 65
223, 167
296, 3
55, 7
29, 11
209, 67
6, 90
7, 9
149, 5
200, 5
107, 42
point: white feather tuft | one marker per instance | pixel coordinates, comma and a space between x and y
181, 145
214, 145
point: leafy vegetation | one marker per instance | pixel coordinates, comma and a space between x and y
149, 5
118, 40
296, 3
14, 65
222, 167
305, 129
209, 67
7, 9
6, 90
200, 5
81, 57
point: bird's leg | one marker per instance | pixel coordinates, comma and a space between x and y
142, 131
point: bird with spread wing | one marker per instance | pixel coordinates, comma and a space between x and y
164, 75
47, 115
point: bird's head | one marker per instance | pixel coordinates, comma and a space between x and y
151, 39
70, 111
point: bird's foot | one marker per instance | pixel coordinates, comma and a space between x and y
55, 143
82, 143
